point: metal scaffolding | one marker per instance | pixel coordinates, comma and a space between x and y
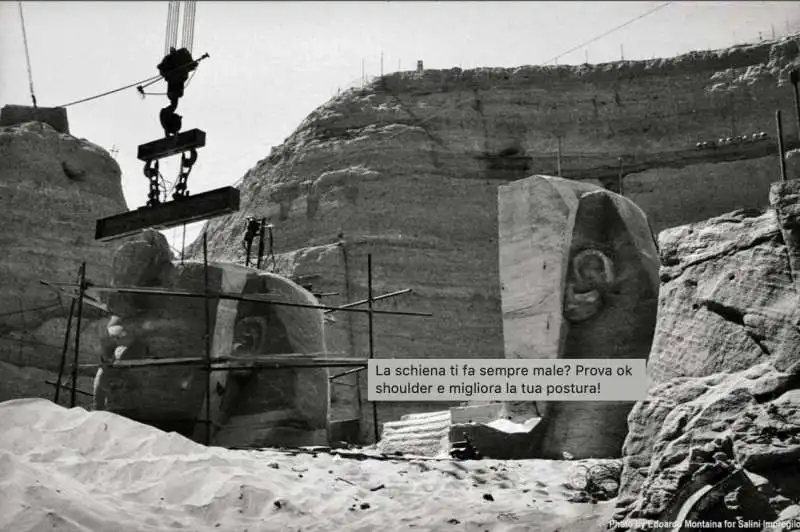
257, 362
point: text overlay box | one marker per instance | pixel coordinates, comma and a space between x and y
507, 380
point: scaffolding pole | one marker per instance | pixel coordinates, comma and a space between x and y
779, 126
294, 360
793, 78
81, 291
558, 157
346, 373
376, 298
261, 229
225, 363
63, 362
58, 385
208, 339
237, 297
372, 343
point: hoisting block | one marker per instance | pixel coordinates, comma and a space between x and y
217, 202
158, 149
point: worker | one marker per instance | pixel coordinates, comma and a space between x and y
251, 231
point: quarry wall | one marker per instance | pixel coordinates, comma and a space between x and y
53, 187
407, 169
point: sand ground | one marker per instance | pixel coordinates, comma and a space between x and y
73, 470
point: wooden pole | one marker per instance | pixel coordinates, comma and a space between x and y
372, 343
345, 373
376, 298
24, 325
261, 229
558, 157
253, 299
59, 385
208, 338
793, 78
81, 292
272, 248
248, 243
183, 244
780, 144
64, 350
310, 360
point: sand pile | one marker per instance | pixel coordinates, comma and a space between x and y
73, 470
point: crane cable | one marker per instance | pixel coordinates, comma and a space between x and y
171, 35
151, 79
192, 26
185, 26
171, 39
189, 9
143, 83
27, 53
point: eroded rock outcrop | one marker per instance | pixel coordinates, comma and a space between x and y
726, 358
287, 406
53, 187
408, 167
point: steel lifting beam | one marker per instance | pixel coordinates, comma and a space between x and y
182, 142
211, 204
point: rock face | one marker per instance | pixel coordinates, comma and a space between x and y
407, 169
52, 189
55, 117
727, 300
579, 272
725, 360
248, 407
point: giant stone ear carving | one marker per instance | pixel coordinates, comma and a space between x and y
249, 338
249, 335
591, 273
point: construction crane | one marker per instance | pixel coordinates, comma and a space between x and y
175, 68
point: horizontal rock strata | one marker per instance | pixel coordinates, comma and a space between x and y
53, 187
407, 169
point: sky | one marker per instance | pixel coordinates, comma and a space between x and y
272, 63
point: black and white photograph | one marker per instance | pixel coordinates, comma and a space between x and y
323, 266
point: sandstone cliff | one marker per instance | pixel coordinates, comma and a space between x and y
53, 187
407, 168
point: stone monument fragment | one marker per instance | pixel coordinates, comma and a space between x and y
287, 406
579, 274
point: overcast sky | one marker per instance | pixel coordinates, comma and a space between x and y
274, 62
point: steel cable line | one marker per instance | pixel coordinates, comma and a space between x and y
27, 53
30, 309
107, 93
143, 83
172, 26
609, 32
